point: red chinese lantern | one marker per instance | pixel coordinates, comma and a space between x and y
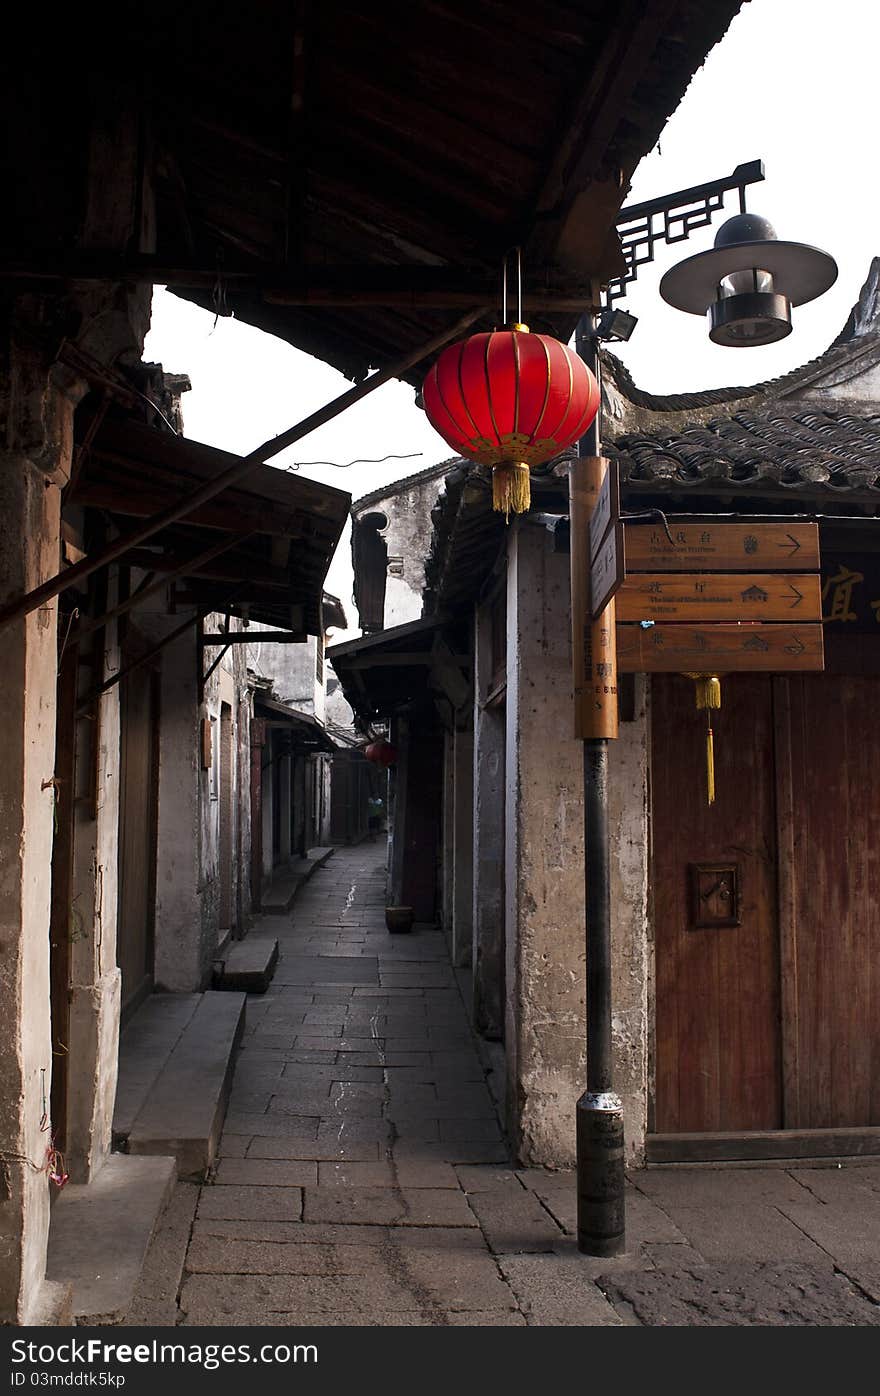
381, 753
511, 400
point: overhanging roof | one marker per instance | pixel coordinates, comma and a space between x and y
282, 529
400, 667
309, 733
347, 176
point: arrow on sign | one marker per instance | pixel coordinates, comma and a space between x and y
796, 647
799, 594
795, 545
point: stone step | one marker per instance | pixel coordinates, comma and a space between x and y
286, 882
100, 1232
145, 1045
178, 1109
248, 965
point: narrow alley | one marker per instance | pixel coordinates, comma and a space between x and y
363, 1179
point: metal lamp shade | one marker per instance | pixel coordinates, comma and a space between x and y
748, 286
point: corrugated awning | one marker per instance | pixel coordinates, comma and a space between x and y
281, 529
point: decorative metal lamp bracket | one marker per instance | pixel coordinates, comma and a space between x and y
672, 218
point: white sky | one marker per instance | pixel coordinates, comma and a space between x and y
790, 84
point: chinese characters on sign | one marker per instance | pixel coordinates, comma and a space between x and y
851, 593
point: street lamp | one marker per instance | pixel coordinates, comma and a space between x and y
748, 283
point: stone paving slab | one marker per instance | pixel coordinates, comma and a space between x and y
387, 1174
553, 1289
390, 1207
284, 1147
251, 1203
848, 1233
769, 1295
841, 1186
256, 1172
719, 1235
218, 1255
718, 1187
513, 1220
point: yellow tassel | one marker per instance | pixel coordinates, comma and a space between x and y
510, 488
708, 696
708, 693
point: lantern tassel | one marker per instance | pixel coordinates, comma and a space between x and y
511, 492
708, 696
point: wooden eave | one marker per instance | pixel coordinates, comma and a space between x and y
282, 528
347, 175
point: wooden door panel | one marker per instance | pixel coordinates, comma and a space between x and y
835, 801
718, 1060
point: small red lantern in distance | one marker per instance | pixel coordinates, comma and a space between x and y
510, 399
381, 753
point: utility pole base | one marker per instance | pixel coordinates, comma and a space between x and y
600, 1174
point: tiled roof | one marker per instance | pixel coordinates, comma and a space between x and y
840, 450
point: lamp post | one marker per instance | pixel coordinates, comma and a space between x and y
747, 284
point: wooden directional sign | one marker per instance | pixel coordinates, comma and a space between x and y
607, 558
607, 571
723, 547
740, 596
607, 509
719, 648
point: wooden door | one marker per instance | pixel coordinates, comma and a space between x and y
718, 1047
138, 808
830, 802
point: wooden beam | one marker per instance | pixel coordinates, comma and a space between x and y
414, 288
252, 637
181, 570
581, 148
241, 467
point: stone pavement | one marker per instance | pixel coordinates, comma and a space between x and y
363, 1178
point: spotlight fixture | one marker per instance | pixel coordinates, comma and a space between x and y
615, 324
748, 282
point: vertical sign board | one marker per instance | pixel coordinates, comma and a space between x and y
594, 642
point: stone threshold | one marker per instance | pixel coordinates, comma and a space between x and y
100, 1233
176, 1062
287, 880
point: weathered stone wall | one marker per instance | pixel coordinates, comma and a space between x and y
544, 855
407, 507
544, 858
29, 552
